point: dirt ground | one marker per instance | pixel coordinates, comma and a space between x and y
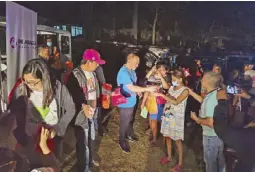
142, 158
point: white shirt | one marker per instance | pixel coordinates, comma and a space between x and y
91, 85
51, 119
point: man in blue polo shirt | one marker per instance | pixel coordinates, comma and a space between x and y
126, 79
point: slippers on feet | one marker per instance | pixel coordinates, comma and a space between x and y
176, 168
164, 161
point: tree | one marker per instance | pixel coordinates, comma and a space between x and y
154, 26
135, 21
150, 17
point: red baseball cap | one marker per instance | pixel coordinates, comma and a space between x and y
93, 55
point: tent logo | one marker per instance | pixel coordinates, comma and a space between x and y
13, 42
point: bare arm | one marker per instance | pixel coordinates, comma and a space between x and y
196, 96
178, 100
235, 100
202, 121
153, 69
145, 96
138, 89
206, 122
165, 84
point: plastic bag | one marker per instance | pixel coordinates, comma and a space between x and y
151, 105
117, 98
144, 112
106, 94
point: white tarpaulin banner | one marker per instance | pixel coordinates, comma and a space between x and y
21, 26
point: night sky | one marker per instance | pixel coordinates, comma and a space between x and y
189, 14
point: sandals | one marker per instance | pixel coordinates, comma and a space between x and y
176, 168
164, 161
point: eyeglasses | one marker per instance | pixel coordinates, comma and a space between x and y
8, 163
33, 84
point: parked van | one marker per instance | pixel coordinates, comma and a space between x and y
60, 38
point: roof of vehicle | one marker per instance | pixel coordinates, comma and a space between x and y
39, 27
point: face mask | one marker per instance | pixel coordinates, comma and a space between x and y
49, 44
175, 84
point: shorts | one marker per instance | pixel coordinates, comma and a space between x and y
159, 114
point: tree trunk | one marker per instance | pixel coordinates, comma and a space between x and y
135, 21
114, 24
154, 27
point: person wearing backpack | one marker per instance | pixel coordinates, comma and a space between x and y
212, 145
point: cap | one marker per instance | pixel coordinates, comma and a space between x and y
93, 55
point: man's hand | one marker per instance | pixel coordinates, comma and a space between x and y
87, 111
152, 88
140, 95
194, 116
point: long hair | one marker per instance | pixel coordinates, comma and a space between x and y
39, 69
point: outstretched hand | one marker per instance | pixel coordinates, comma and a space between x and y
157, 94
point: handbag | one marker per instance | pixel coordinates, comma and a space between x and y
117, 98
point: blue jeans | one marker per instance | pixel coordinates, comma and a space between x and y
95, 118
84, 143
89, 144
213, 154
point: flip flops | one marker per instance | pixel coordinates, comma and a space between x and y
164, 161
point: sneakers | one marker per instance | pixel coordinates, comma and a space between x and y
124, 148
132, 139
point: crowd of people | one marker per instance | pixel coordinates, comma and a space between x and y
224, 114
51, 95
